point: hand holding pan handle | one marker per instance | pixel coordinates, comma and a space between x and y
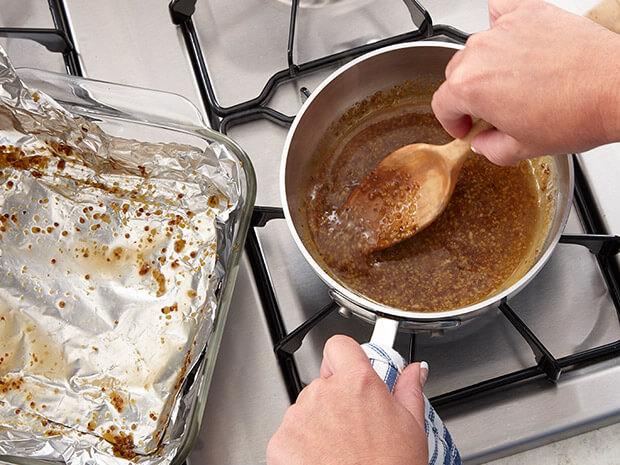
386, 361
389, 364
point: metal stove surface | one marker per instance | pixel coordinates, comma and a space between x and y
244, 43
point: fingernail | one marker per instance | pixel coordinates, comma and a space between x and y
423, 372
473, 149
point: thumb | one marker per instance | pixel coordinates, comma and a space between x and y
408, 390
342, 354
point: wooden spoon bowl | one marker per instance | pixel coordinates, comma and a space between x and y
407, 190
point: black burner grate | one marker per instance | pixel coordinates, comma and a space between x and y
286, 343
223, 118
58, 39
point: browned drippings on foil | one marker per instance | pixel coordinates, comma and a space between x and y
53, 167
122, 444
473, 249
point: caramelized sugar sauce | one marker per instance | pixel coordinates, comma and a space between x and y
472, 250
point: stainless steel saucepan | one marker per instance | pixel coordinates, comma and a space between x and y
353, 83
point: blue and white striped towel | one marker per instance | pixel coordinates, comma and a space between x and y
389, 364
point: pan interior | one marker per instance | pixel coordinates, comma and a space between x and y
486, 240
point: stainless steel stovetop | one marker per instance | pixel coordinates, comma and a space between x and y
244, 43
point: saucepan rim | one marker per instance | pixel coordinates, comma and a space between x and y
356, 302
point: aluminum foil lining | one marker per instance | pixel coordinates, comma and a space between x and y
109, 269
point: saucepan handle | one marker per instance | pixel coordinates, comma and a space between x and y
389, 364
386, 361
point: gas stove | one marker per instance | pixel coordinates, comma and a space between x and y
542, 367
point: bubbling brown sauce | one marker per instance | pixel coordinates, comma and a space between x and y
471, 251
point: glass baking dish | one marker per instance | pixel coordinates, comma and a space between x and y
155, 116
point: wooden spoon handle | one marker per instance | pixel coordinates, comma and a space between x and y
479, 126
456, 151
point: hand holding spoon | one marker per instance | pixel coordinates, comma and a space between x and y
407, 190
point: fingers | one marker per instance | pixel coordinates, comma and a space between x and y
408, 390
341, 353
499, 147
454, 63
455, 121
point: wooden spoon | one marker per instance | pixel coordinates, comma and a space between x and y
406, 191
